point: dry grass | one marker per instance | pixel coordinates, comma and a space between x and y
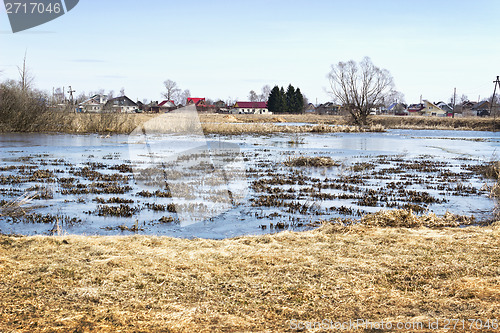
223, 124
401, 122
306, 161
436, 123
251, 284
17, 207
407, 219
492, 170
268, 128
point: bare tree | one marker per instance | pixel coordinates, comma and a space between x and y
264, 96
81, 97
59, 95
122, 91
171, 90
394, 97
359, 87
252, 96
230, 101
111, 94
181, 97
25, 77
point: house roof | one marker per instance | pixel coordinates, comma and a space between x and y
415, 107
121, 101
392, 106
481, 105
328, 105
167, 103
251, 105
194, 100
91, 101
432, 105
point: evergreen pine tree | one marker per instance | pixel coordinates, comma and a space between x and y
299, 101
282, 101
273, 103
290, 99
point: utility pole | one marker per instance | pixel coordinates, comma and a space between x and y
70, 92
454, 102
497, 83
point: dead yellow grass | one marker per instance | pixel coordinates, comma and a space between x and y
267, 128
401, 122
307, 161
408, 219
436, 123
126, 123
248, 284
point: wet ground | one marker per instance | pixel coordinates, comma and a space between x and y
88, 184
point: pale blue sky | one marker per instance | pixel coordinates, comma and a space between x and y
221, 49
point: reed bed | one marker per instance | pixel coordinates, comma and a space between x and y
18, 206
219, 123
268, 128
408, 219
492, 170
255, 283
400, 122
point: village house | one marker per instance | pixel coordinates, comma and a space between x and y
328, 108
221, 107
121, 104
93, 104
201, 104
482, 109
415, 109
310, 108
164, 106
446, 107
140, 106
167, 106
398, 109
431, 109
250, 108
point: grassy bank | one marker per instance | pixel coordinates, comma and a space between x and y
152, 284
228, 124
400, 122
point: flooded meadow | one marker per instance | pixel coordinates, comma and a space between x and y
223, 186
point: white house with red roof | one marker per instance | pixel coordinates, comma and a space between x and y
250, 108
167, 106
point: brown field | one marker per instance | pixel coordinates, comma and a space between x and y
219, 123
252, 284
401, 122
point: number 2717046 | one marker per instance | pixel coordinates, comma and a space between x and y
32, 8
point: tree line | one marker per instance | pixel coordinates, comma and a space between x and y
291, 101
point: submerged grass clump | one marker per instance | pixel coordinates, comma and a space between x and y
306, 161
408, 219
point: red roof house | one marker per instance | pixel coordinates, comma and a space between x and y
194, 100
251, 107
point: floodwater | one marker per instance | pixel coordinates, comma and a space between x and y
89, 184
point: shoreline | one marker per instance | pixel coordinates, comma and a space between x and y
82, 123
